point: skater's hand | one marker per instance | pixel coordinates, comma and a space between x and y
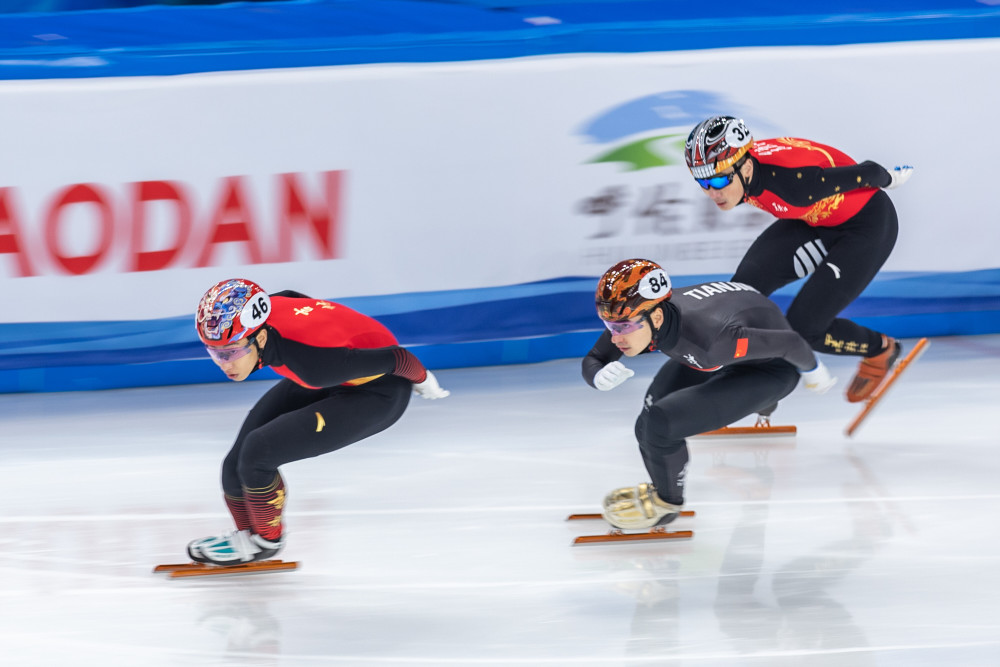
612, 375
898, 176
818, 380
430, 388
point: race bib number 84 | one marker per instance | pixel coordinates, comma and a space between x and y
655, 285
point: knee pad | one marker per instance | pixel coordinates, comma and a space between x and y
253, 467
652, 430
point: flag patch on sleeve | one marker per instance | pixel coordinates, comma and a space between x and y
741, 348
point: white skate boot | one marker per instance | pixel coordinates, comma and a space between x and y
235, 548
638, 507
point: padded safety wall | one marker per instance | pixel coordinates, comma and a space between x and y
462, 171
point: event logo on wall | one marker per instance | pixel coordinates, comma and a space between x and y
86, 228
643, 201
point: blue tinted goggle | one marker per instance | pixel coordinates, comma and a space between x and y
716, 182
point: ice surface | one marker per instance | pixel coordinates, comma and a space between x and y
442, 541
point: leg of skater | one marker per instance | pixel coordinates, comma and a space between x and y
253, 487
682, 402
856, 252
840, 263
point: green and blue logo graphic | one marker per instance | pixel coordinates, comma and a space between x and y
671, 114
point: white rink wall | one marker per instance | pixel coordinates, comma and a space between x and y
456, 175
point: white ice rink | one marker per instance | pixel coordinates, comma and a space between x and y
443, 541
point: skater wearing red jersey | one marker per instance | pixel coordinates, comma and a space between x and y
345, 379
835, 225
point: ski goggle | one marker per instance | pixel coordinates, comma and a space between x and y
623, 328
226, 354
716, 182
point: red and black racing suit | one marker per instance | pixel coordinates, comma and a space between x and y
345, 379
732, 354
834, 223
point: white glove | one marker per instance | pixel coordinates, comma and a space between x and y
612, 375
899, 175
430, 388
819, 380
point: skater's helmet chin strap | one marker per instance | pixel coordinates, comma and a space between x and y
738, 169
257, 346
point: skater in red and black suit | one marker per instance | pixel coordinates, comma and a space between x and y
835, 225
345, 379
732, 353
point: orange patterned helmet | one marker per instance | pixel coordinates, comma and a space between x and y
629, 288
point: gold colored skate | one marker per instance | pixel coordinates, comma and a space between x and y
637, 508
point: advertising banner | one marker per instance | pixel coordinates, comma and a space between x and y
455, 184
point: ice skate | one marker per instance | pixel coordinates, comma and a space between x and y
639, 507
761, 427
187, 570
897, 370
635, 508
236, 548
872, 371
594, 516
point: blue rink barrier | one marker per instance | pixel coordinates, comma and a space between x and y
495, 326
158, 40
